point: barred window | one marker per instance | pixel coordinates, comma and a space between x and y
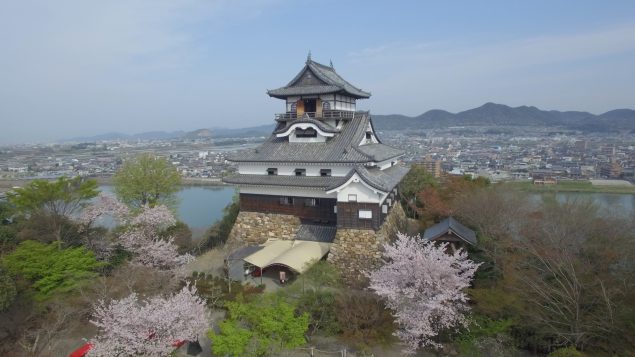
305, 133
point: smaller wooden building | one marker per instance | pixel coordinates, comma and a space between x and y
452, 231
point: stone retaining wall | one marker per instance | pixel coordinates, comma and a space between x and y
356, 251
253, 228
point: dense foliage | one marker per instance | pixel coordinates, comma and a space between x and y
51, 269
219, 232
7, 290
53, 202
260, 328
147, 180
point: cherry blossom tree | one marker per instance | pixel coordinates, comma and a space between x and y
141, 235
104, 205
151, 327
423, 285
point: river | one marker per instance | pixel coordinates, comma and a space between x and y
609, 204
198, 206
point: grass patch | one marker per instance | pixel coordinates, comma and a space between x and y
570, 186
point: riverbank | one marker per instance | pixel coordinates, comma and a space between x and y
572, 186
7, 184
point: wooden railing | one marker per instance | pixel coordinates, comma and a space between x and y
327, 114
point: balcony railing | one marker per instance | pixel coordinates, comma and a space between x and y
326, 114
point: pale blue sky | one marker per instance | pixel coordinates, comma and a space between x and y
71, 68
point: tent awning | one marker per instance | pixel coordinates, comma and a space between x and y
297, 255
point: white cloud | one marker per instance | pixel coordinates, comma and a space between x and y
456, 75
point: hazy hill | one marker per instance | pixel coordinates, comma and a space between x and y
491, 114
262, 130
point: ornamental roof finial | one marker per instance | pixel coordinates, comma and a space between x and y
308, 57
331, 62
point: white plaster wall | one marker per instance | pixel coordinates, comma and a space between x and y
286, 191
364, 194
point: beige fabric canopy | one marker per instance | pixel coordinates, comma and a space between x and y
298, 255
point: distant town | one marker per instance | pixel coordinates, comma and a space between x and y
542, 155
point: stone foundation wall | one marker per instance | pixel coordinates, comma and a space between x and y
253, 228
356, 251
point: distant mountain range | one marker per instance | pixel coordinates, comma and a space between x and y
213, 133
489, 114
492, 114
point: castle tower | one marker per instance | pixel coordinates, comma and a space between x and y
323, 170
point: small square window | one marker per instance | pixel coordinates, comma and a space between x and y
352, 198
286, 201
300, 172
384, 209
311, 202
272, 171
365, 214
325, 172
368, 135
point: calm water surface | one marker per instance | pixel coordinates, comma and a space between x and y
608, 203
199, 206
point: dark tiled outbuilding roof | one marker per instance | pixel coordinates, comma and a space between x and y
331, 83
450, 225
316, 233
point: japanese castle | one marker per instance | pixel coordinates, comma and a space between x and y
324, 162
322, 185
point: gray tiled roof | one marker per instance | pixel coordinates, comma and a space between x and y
447, 225
384, 180
316, 233
379, 152
342, 148
319, 182
320, 124
333, 83
303, 90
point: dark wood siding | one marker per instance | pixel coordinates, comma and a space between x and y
348, 215
323, 211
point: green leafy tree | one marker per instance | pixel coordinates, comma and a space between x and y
260, 328
415, 181
56, 200
219, 232
147, 180
50, 269
7, 290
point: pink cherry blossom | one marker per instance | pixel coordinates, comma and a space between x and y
423, 285
134, 327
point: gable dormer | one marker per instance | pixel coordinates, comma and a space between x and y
307, 130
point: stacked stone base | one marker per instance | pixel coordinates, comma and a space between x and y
356, 252
252, 228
